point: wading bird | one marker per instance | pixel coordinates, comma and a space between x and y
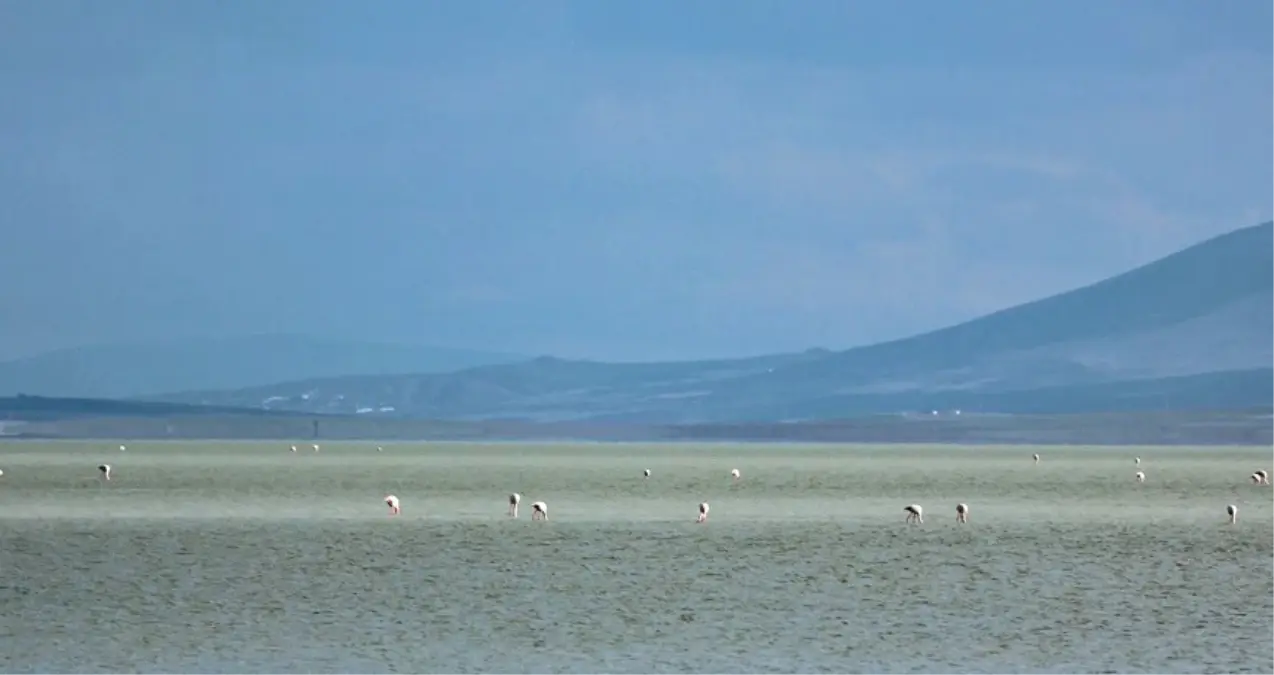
539, 511
703, 513
962, 513
392, 501
914, 513
514, 500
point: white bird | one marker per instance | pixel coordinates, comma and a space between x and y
379, 449
1, 473
294, 448
105, 470
1265, 476
1036, 457
1136, 460
914, 513
962, 513
1256, 478
734, 473
646, 473
1141, 476
392, 501
703, 512
122, 448
1233, 512
514, 500
540, 509
316, 447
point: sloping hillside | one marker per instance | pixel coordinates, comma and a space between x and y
139, 369
1204, 311
1225, 285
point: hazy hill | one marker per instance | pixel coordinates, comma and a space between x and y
140, 369
1192, 330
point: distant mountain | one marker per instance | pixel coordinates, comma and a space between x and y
1194, 330
119, 371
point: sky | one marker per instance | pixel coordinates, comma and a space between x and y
623, 180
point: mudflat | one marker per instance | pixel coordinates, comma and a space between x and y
246, 557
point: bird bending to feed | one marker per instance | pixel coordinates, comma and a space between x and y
122, 448
539, 511
294, 448
1265, 476
1036, 457
1141, 476
392, 501
646, 473
1233, 512
105, 470
316, 447
703, 513
962, 513
914, 513
514, 500
734, 473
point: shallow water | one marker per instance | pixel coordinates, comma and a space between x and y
239, 557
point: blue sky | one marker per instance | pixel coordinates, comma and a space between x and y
620, 180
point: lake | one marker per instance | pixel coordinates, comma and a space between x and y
244, 557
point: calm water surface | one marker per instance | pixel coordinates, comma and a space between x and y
237, 557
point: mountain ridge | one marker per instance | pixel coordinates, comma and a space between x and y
127, 370
1206, 309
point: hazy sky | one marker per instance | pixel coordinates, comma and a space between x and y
629, 180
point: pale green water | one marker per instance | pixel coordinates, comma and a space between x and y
238, 557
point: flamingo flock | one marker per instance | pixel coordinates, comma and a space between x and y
914, 512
